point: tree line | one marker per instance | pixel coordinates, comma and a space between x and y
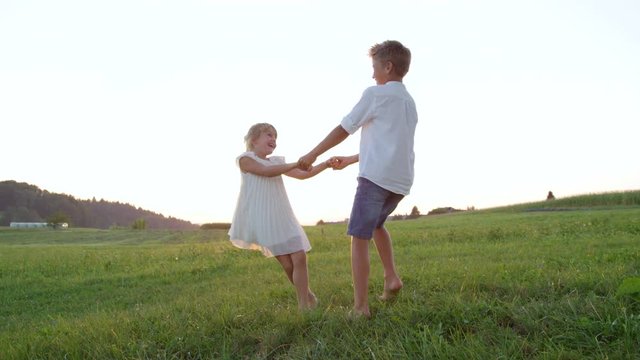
22, 202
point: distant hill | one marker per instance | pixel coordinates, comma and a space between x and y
605, 200
22, 202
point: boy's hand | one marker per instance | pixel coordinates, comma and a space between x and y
329, 162
306, 162
337, 162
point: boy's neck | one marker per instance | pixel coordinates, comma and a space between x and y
396, 79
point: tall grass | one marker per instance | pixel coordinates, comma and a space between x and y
478, 285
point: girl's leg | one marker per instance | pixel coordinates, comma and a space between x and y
392, 282
287, 265
306, 299
360, 273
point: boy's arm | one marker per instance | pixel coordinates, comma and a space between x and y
251, 166
335, 137
305, 174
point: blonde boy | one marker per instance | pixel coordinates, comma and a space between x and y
387, 116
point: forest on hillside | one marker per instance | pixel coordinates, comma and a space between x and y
22, 202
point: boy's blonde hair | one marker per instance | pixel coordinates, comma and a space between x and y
255, 131
394, 51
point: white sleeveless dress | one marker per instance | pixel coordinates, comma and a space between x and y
263, 219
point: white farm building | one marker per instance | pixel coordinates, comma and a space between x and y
33, 225
28, 225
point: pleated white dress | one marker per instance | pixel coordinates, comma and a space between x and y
263, 219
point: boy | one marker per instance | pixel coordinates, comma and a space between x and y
388, 117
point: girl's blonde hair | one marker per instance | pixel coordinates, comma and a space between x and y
255, 131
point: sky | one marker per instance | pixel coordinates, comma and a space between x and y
147, 102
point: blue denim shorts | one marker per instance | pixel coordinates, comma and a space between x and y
371, 207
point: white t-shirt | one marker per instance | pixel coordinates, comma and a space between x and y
388, 117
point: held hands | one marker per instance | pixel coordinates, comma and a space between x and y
335, 162
338, 162
306, 162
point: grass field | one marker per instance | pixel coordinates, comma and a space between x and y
520, 282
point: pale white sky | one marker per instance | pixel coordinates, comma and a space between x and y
147, 102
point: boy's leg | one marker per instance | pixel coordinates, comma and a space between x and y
371, 206
392, 282
360, 273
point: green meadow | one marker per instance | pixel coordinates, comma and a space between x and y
548, 280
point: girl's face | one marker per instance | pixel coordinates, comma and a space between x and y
265, 143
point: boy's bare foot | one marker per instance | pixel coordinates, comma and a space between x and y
389, 295
391, 290
355, 314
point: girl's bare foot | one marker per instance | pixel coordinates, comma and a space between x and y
310, 303
312, 300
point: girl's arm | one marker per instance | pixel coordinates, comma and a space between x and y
249, 165
302, 174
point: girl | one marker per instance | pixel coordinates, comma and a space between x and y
263, 219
